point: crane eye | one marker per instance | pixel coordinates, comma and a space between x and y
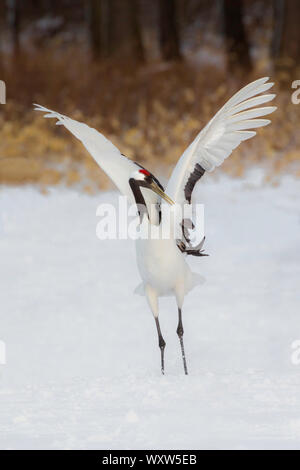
145, 172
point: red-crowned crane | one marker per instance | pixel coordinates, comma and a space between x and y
162, 261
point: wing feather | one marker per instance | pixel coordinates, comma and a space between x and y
230, 126
109, 158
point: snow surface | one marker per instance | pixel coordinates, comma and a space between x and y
82, 365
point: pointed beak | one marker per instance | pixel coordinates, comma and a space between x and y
161, 193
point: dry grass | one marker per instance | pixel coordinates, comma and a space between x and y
151, 113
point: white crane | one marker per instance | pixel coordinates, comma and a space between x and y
162, 262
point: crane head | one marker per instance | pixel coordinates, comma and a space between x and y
145, 179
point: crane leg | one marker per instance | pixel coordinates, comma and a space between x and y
161, 344
152, 299
180, 332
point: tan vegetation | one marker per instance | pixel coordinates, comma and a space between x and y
151, 112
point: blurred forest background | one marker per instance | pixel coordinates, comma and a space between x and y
148, 74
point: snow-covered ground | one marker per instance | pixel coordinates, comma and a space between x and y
82, 360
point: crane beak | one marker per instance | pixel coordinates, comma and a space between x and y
161, 193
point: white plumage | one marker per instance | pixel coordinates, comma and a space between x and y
107, 155
224, 132
162, 262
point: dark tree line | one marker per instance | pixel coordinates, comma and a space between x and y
115, 28
286, 37
285, 44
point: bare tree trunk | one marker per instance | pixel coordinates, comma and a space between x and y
13, 17
168, 30
235, 36
286, 35
98, 23
124, 34
278, 14
94, 12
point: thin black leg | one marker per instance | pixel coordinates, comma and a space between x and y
161, 344
180, 336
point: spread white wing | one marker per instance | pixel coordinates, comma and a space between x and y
224, 132
109, 158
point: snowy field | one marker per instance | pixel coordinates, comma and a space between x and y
82, 361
